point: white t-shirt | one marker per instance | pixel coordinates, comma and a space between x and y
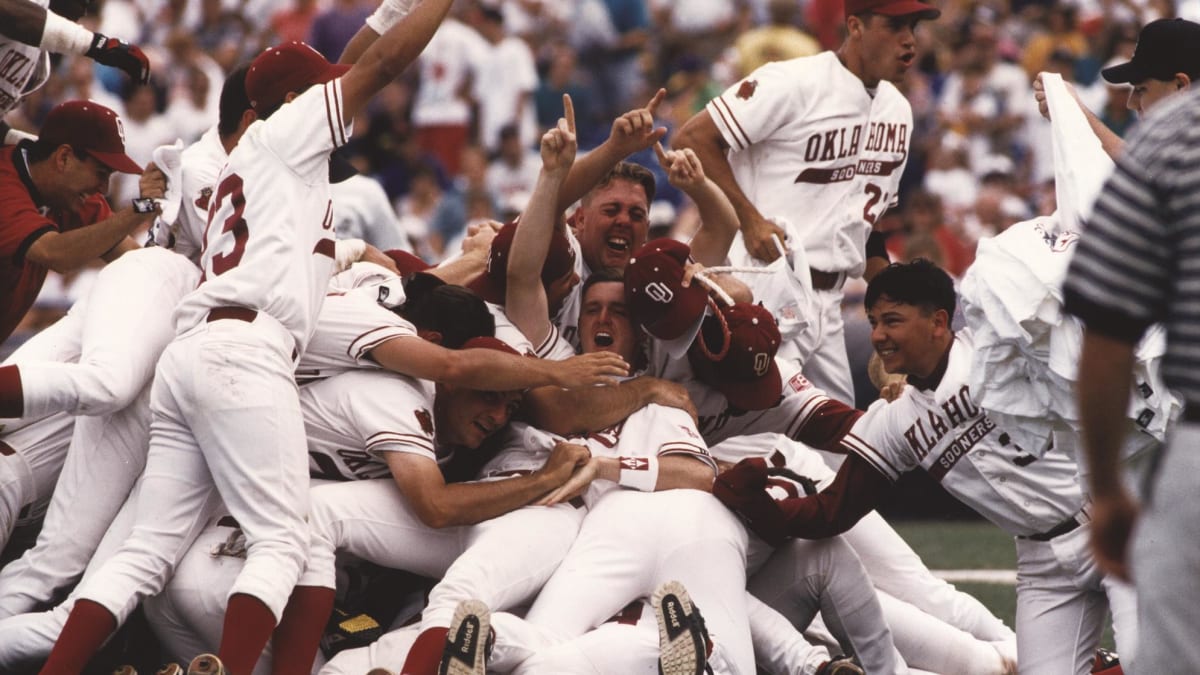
453, 55
506, 73
270, 246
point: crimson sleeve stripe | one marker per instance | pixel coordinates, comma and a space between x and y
400, 437
689, 450
723, 122
371, 339
543, 350
796, 426
868, 452
333, 114
733, 125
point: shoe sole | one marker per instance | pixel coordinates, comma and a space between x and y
170, 669
380, 671
206, 664
125, 670
466, 651
680, 645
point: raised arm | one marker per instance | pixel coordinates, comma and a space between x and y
386, 58
631, 132
719, 225
37, 26
525, 296
701, 135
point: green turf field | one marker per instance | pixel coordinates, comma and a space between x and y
971, 545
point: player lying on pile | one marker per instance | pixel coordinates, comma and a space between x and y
935, 425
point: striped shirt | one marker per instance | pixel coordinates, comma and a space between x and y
1139, 261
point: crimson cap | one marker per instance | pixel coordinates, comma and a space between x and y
91, 128
892, 8
747, 373
493, 283
291, 66
656, 298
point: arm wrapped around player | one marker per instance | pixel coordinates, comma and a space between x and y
743, 489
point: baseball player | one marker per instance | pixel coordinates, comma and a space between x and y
32, 30
106, 372
822, 141
936, 425
267, 261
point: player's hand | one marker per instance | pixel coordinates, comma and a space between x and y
672, 395
479, 238
559, 144
1039, 95
374, 255
1113, 519
742, 490
120, 54
575, 484
635, 130
152, 184
683, 167
759, 235
586, 370
690, 270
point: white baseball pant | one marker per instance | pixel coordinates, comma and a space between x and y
30, 460
1061, 601
503, 561
629, 544
106, 457
226, 426
126, 325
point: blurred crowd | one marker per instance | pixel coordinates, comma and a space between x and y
454, 141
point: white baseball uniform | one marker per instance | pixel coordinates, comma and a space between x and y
227, 417
810, 144
1061, 594
25, 69
30, 461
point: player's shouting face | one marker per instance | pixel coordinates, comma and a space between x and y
466, 417
604, 323
888, 46
612, 223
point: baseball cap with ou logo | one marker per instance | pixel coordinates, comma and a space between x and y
747, 373
656, 298
90, 128
493, 284
1164, 47
291, 66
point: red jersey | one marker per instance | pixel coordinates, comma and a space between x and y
23, 218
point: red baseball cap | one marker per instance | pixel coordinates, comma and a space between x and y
493, 284
89, 127
291, 66
746, 374
657, 300
892, 8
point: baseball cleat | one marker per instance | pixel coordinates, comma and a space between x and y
125, 670
841, 665
380, 671
206, 664
1106, 663
683, 642
170, 669
467, 642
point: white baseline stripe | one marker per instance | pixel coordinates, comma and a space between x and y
977, 576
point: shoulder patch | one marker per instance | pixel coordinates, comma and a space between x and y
425, 420
202, 200
747, 89
799, 383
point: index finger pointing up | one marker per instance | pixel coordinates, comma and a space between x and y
569, 112
659, 95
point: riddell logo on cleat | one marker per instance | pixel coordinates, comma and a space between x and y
673, 615
469, 627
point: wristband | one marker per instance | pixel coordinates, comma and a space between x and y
639, 473
877, 245
347, 252
11, 136
65, 37
389, 14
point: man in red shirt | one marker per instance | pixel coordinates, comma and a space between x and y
53, 215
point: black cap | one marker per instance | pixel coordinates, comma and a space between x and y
1164, 47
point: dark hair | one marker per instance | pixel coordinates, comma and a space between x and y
234, 100
919, 283
454, 311
601, 276
40, 150
634, 173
